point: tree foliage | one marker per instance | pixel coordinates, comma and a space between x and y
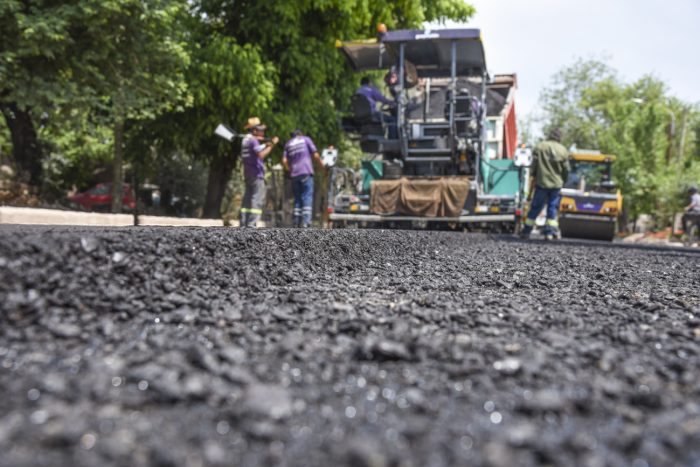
164, 73
38, 59
111, 60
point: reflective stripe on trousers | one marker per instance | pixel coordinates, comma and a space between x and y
548, 198
303, 187
253, 201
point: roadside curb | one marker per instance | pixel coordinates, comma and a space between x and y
37, 216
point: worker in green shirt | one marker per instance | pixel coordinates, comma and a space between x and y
549, 171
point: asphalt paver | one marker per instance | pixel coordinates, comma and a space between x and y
216, 346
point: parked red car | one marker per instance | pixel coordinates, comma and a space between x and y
99, 197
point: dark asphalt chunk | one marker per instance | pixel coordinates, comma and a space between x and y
215, 346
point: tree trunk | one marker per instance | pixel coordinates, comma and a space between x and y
220, 170
26, 150
117, 172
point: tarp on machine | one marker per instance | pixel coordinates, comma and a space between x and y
438, 197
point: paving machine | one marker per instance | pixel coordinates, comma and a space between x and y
590, 200
442, 156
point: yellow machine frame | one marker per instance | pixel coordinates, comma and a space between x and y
585, 221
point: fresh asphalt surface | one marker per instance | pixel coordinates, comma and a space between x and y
216, 346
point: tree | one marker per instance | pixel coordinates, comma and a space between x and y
123, 58
37, 59
561, 102
136, 66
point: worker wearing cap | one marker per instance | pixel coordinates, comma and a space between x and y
549, 171
374, 95
253, 153
297, 156
692, 211
694, 206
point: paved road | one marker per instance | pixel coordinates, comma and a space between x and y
214, 346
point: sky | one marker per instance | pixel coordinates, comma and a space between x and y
537, 38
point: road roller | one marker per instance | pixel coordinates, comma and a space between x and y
590, 199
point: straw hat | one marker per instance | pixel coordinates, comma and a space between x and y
254, 122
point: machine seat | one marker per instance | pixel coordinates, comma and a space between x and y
362, 110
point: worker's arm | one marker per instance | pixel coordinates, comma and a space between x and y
378, 96
267, 149
533, 174
566, 168
317, 158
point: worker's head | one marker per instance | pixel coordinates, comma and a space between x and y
554, 134
255, 126
252, 122
692, 189
365, 81
296, 133
392, 76
259, 130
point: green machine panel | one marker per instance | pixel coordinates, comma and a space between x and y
371, 170
500, 176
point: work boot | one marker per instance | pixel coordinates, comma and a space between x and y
549, 237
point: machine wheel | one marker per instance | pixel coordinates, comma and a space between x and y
588, 229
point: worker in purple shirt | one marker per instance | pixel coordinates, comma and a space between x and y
297, 159
373, 95
253, 153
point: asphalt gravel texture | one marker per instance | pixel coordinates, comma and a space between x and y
216, 346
